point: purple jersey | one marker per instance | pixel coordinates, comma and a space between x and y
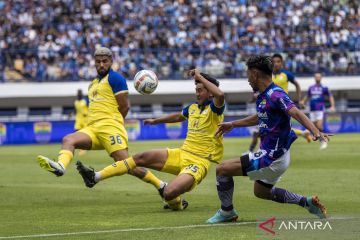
272, 107
316, 94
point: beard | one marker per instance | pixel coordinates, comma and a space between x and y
103, 73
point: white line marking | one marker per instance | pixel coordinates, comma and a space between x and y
157, 228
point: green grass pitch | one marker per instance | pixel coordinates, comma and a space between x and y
35, 204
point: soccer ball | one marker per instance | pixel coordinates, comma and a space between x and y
145, 82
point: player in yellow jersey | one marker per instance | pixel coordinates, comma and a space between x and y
81, 111
282, 78
192, 160
109, 105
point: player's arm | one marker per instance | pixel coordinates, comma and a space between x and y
123, 103
228, 126
219, 96
171, 118
291, 78
303, 101
298, 90
331, 99
332, 103
305, 121
120, 90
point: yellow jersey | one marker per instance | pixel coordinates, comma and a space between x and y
282, 79
103, 104
202, 125
81, 111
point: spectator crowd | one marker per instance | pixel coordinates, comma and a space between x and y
55, 40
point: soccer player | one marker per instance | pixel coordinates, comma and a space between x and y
317, 93
265, 167
190, 163
81, 111
282, 78
109, 105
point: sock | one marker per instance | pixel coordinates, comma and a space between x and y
252, 147
116, 169
284, 196
152, 179
299, 132
225, 188
64, 158
175, 204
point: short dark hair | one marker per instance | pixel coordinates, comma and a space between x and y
210, 79
277, 55
262, 63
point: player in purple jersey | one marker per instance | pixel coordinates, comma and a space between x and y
274, 110
316, 95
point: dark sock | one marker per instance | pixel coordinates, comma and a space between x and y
225, 188
284, 196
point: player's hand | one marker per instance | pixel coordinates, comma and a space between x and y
149, 121
332, 109
224, 128
301, 104
194, 73
323, 137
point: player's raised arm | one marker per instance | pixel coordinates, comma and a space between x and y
171, 118
219, 96
305, 121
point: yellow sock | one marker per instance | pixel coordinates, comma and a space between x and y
298, 132
65, 157
118, 168
175, 204
152, 179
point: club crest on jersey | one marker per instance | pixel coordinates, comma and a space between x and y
262, 104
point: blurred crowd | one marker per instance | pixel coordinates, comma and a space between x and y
54, 40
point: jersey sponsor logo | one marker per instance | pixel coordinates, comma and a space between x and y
263, 125
42, 131
262, 115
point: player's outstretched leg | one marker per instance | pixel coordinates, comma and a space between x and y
280, 195
184, 203
225, 189
50, 165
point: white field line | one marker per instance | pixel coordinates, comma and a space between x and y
157, 228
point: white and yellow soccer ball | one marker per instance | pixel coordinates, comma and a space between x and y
145, 82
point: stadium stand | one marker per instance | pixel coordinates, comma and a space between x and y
54, 40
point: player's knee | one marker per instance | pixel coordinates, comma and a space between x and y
258, 194
140, 159
221, 170
68, 141
170, 193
